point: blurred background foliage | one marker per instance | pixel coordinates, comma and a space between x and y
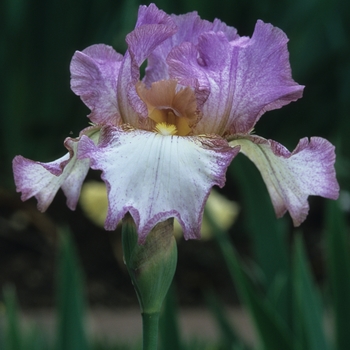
38, 109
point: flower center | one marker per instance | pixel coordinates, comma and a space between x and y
165, 129
172, 110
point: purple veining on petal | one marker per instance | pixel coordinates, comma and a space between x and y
191, 73
152, 15
43, 180
152, 28
94, 77
291, 177
246, 77
190, 27
155, 177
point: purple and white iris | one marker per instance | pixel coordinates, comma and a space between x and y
164, 141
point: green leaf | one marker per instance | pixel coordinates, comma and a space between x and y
13, 335
268, 236
338, 263
228, 335
308, 308
271, 328
35, 339
70, 299
265, 230
170, 338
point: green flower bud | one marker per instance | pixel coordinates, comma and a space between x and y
151, 265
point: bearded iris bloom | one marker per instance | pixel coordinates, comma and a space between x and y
163, 141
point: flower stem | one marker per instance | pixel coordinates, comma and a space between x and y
150, 330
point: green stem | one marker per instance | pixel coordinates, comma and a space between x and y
150, 330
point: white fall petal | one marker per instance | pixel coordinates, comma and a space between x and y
291, 177
155, 177
43, 180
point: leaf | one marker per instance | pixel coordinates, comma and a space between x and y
338, 263
267, 233
169, 332
70, 299
229, 337
271, 328
268, 236
13, 336
308, 308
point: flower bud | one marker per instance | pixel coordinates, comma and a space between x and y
151, 265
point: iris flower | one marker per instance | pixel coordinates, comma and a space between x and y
164, 140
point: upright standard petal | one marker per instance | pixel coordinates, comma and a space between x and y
156, 177
94, 77
245, 77
152, 28
190, 27
291, 177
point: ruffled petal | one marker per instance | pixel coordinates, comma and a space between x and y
156, 177
43, 180
94, 77
292, 177
190, 27
152, 28
245, 77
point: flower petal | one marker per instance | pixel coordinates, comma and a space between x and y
291, 177
43, 180
156, 177
245, 77
190, 27
152, 28
94, 77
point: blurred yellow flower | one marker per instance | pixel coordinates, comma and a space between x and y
94, 202
222, 210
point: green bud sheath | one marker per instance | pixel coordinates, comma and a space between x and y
152, 265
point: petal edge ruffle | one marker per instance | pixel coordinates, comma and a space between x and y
43, 180
94, 77
291, 177
244, 77
155, 177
